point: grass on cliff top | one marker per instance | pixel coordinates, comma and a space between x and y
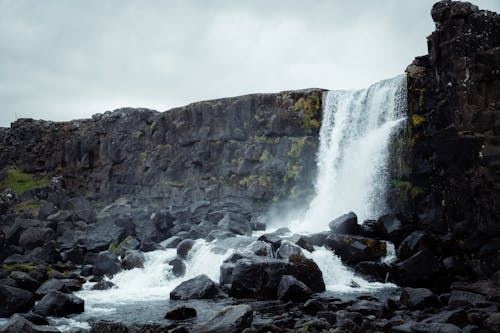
20, 181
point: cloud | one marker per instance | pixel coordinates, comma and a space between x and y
61, 60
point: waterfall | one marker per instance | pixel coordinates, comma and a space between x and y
353, 153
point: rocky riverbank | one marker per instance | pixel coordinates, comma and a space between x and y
82, 201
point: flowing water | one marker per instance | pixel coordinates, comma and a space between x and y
352, 168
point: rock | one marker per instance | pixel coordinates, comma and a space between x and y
180, 312
493, 322
456, 317
410, 245
103, 285
317, 239
171, 242
313, 306
62, 285
47, 209
286, 249
307, 271
184, 247
98, 236
261, 248
129, 244
133, 259
219, 234
232, 319
178, 267
58, 304
366, 308
82, 209
156, 228
460, 299
389, 227
291, 289
24, 281
419, 269
272, 238
354, 249
19, 324
15, 300
435, 328
418, 298
372, 271
345, 224
236, 223
107, 263
35, 237
199, 287
103, 326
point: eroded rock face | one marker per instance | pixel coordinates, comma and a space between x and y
446, 173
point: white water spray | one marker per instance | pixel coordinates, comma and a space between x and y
353, 153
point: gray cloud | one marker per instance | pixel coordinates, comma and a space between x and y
61, 60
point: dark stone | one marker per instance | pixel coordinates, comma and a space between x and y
460, 299
232, 319
184, 247
102, 326
107, 263
199, 287
307, 271
236, 223
24, 281
178, 267
82, 209
180, 312
366, 308
35, 237
313, 306
419, 269
103, 285
418, 298
410, 245
390, 227
133, 259
345, 224
435, 328
58, 304
62, 285
261, 249
19, 324
291, 289
493, 322
456, 317
15, 300
373, 271
354, 249
286, 249
172, 242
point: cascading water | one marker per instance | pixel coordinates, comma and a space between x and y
353, 153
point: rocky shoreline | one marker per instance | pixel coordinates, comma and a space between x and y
82, 201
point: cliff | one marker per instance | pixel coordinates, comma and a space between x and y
448, 175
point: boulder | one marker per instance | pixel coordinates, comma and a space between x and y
345, 224
98, 236
199, 287
460, 298
232, 319
82, 209
435, 328
493, 322
286, 249
307, 271
133, 259
24, 281
103, 285
172, 242
62, 285
178, 267
261, 248
58, 304
411, 244
418, 298
106, 263
180, 312
15, 300
456, 317
19, 324
418, 270
35, 237
47, 209
236, 223
373, 271
291, 289
367, 308
389, 227
104, 326
354, 249
184, 247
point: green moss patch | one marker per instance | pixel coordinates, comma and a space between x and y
31, 205
312, 111
24, 267
20, 181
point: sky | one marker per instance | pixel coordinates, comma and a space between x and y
62, 59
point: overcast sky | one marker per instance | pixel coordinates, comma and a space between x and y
62, 60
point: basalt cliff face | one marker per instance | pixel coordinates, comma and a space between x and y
448, 165
249, 151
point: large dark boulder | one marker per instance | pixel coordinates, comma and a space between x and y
24, 280
232, 319
106, 263
345, 224
236, 223
286, 249
390, 227
184, 247
104, 326
354, 249
178, 267
58, 304
418, 270
180, 312
35, 237
98, 236
461, 298
103, 285
418, 298
199, 287
414, 242
62, 285
291, 289
82, 209
19, 324
307, 271
133, 259
15, 300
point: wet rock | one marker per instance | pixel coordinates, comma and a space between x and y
418, 298
178, 267
493, 322
291, 289
389, 227
199, 287
82, 209
62, 285
354, 249
236, 223
180, 312
435, 328
172, 242
184, 247
98, 236
133, 259
373, 271
417, 270
286, 249
232, 319
103, 326
307, 271
35, 237
313, 306
103, 285
414, 242
45, 210
260, 248
345, 224
317, 239
456, 317
106, 263
15, 300
460, 299
58, 304
24, 281
19, 324
366, 308
219, 234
